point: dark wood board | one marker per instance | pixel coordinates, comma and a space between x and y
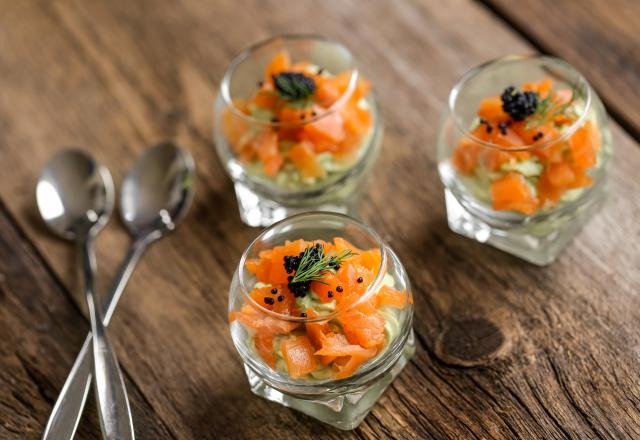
114, 77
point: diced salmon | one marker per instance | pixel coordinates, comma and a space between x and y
511, 193
265, 144
584, 145
297, 352
329, 128
491, 110
465, 156
264, 346
388, 296
305, 160
281, 62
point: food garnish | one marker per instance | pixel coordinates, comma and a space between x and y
519, 104
311, 265
294, 85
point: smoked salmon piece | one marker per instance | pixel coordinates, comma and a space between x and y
297, 352
511, 193
305, 159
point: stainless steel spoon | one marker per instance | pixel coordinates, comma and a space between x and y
156, 195
75, 198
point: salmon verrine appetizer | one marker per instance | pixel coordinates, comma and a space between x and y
312, 280
303, 125
529, 166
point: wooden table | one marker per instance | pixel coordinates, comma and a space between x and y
115, 77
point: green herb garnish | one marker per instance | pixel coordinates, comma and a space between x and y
548, 109
294, 86
313, 263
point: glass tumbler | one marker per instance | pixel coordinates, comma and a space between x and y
287, 150
525, 186
341, 402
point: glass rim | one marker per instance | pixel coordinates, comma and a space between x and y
581, 82
369, 292
246, 54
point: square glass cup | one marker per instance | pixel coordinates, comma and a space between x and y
343, 403
540, 236
264, 199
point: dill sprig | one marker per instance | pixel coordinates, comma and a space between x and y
548, 108
313, 263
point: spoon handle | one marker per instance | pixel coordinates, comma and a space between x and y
109, 387
67, 410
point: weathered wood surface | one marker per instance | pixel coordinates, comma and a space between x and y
600, 38
114, 77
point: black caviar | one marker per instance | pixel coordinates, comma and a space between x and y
294, 85
269, 300
519, 104
339, 289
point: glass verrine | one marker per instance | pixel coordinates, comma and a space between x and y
332, 351
523, 153
297, 128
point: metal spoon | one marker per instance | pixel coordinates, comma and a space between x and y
156, 195
75, 198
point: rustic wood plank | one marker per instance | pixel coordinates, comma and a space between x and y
42, 331
570, 367
600, 38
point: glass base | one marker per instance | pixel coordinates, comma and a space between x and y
539, 244
256, 211
344, 411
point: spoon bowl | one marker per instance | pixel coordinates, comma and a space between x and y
157, 191
74, 194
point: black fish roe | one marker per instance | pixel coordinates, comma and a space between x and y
280, 298
294, 85
489, 128
360, 279
274, 291
519, 104
300, 288
339, 289
269, 300
503, 128
291, 264
303, 315
330, 294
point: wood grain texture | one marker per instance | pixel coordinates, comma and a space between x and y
42, 331
114, 77
600, 38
